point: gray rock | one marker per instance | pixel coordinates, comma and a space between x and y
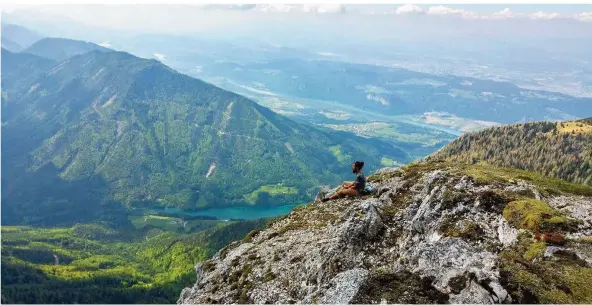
345, 286
506, 234
326, 252
472, 294
552, 250
359, 229
386, 170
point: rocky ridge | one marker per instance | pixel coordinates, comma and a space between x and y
432, 233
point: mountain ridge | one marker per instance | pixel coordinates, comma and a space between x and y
439, 230
433, 232
19, 35
161, 138
555, 149
62, 48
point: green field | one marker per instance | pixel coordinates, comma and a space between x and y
171, 224
338, 153
272, 190
389, 162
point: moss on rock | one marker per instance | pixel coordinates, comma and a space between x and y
536, 250
562, 280
534, 215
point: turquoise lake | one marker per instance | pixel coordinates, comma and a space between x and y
239, 212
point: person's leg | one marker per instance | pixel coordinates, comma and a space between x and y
345, 192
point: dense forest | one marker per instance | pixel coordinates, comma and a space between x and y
561, 150
93, 263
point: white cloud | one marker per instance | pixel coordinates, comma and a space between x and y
503, 14
298, 8
506, 13
443, 10
159, 56
105, 44
327, 54
229, 7
409, 9
545, 15
586, 16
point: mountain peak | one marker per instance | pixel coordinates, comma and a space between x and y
152, 137
432, 233
62, 48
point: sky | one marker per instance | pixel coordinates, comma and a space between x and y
525, 35
329, 26
186, 18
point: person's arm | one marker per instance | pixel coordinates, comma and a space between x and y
356, 182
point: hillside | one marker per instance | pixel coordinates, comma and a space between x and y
561, 150
93, 263
19, 70
433, 233
107, 127
62, 48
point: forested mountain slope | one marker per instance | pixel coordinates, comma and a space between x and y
108, 127
562, 150
93, 263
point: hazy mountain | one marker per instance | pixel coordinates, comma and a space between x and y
396, 91
10, 45
18, 35
62, 48
108, 126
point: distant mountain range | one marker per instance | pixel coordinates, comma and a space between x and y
15, 38
61, 48
107, 127
394, 91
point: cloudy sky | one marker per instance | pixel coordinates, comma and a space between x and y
323, 23
197, 17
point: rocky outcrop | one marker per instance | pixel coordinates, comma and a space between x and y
432, 233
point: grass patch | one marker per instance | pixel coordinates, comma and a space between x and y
574, 127
389, 162
543, 281
268, 276
536, 250
272, 190
161, 222
534, 215
466, 230
250, 235
338, 153
483, 173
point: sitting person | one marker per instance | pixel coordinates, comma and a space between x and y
354, 189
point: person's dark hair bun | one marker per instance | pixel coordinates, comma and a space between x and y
359, 164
